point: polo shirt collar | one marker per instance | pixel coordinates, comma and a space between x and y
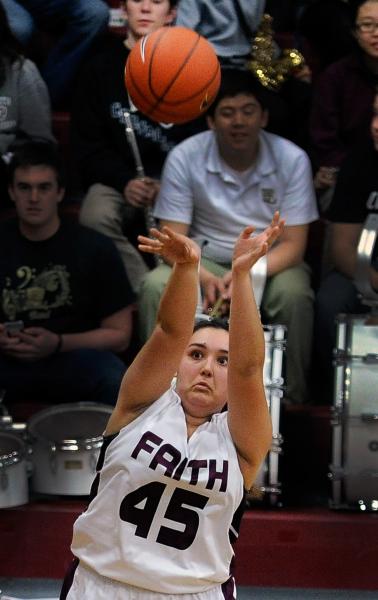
264, 165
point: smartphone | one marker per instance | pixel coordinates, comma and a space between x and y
12, 327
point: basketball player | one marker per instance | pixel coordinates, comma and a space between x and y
168, 496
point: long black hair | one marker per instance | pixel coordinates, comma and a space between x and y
10, 49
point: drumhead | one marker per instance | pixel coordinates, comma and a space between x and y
12, 449
70, 423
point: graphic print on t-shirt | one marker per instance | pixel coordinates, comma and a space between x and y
36, 293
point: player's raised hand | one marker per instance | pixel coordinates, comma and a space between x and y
249, 248
173, 247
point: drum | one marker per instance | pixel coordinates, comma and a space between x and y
354, 469
275, 336
267, 486
66, 440
13, 471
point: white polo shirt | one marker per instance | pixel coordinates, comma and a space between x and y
198, 189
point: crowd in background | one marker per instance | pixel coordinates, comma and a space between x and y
322, 123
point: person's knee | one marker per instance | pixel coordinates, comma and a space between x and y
20, 22
93, 15
96, 212
103, 372
295, 296
153, 285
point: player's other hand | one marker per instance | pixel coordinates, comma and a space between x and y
171, 246
249, 248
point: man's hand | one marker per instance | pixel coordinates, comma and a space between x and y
325, 177
29, 345
213, 288
172, 247
141, 192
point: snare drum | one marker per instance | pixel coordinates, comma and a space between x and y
13, 471
267, 485
354, 469
66, 440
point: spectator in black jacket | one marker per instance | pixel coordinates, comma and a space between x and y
116, 198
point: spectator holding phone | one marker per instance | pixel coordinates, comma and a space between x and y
67, 284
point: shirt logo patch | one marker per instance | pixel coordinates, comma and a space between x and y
268, 195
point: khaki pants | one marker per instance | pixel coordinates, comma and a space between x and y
105, 210
288, 300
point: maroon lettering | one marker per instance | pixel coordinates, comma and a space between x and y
148, 436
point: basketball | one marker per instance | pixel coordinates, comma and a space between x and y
172, 75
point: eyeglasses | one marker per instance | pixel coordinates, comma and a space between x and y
367, 26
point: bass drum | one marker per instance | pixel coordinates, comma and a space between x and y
14, 489
66, 440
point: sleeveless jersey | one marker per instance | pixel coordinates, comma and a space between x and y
166, 508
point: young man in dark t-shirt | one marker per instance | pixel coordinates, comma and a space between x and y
355, 198
115, 197
67, 287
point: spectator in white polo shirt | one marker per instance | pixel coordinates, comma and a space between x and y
217, 182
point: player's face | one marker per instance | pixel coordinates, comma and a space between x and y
367, 16
237, 122
202, 375
374, 123
36, 194
145, 16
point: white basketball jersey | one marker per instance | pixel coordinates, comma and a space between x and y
166, 508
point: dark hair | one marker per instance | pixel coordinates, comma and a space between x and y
10, 49
214, 322
36, 153
354, 6
239, 81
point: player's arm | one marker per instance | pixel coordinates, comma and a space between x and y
248, 414
153, 369
212, 286
343, 245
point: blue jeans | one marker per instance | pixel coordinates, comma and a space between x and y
83, 20
76, 376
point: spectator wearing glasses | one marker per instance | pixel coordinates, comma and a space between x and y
343, 98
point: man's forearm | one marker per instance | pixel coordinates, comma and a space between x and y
283, 256
103, 338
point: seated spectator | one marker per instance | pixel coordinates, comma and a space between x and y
24, 101
354, 199
116, 200
216, 182
326, 28
343, 98
81, 22
229, 26
67, 286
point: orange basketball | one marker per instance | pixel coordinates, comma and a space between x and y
172, 75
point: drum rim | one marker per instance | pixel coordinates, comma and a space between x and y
87, 443
15, 456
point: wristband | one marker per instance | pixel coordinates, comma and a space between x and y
59, 344
259, 274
